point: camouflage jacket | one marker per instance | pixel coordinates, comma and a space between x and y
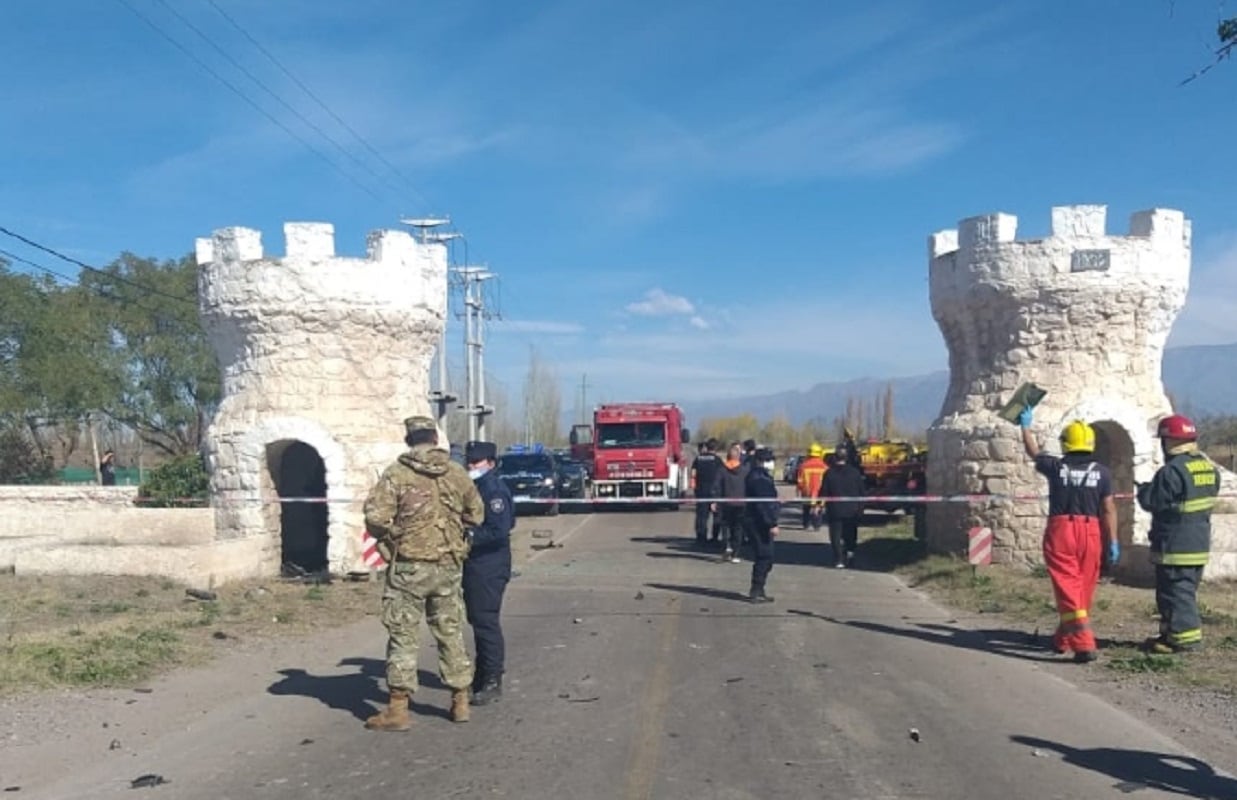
421, 507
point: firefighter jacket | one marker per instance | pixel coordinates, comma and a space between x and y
1180, 498
811, 472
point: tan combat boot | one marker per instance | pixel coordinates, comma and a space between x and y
459, 705
394, 717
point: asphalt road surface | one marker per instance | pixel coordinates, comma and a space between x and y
638, 670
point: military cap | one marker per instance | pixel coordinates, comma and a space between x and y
475, 452
419, 423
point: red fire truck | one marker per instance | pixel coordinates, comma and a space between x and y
637, 451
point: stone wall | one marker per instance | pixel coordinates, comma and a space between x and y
329, 351
39, 524
1083, 314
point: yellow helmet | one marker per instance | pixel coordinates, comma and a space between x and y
815, 451
1078, 437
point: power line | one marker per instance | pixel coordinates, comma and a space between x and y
310, 123
113, 276
250, 101
364, 143
97, 290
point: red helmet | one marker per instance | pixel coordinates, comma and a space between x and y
1177, 427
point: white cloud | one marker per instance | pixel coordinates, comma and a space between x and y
659, 303
699, 323
543, 326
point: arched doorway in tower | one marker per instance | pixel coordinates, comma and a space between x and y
1115, 449
298, 471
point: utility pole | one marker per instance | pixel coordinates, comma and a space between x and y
584, 399
475, 315
441, 396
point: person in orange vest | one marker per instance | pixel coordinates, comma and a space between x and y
811, 472
1082, 525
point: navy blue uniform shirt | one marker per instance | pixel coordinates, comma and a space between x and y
494, 533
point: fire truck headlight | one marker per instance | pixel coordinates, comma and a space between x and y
548, 482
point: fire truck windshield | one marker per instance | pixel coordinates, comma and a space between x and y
631, 434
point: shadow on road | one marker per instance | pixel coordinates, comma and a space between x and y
1139, 769
1003, 642
703, 591
359, 693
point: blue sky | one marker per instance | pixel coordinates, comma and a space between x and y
683, 200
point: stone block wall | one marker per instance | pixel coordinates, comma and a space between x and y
1081, 313
328, 351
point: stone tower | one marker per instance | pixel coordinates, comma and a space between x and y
322, 358
1084, 315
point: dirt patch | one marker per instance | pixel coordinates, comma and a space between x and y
59, 631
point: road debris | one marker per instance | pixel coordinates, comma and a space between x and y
577, 621
733, 680
583, 699
115, 745
307, 741
146, 781
542, 533
202, 594
219, 635
550, 545
639, 595
915, 734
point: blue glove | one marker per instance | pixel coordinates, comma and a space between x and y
1024, 419
1114, 552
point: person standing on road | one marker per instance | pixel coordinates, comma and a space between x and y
1180, 497
705, 468
731, 488
487, 571
418, 512
762, 519
811, 471
843, 480
1080, 508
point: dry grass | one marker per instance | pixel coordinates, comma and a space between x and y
1123, 616
120, 631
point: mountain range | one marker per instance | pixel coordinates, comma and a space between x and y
1201, 378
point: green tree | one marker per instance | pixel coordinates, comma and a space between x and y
168, 376
20, 461
181, 482
56, 365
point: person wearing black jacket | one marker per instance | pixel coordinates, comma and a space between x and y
843, 480
487, 571
762, 523
730, 487
704, 478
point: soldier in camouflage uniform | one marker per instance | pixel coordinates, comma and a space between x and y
419, 512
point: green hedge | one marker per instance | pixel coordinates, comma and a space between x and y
181, 482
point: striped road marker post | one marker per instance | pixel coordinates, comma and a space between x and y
980, 550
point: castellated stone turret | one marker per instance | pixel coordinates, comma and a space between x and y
322, 359
1083, 314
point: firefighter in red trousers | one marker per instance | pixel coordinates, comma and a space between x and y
1081, 513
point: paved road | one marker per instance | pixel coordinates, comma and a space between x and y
638, 671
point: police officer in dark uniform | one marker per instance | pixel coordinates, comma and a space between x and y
762, 522
1180, 497
704, 477
487, 571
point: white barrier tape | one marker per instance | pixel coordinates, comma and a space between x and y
871, 498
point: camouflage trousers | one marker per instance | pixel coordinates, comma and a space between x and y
431, 591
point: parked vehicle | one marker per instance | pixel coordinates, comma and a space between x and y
790, 471
637, 452
530, 476
572, 480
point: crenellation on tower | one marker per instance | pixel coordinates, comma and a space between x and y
322, 357
1083, 314
312, 241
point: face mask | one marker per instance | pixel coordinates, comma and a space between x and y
477, 472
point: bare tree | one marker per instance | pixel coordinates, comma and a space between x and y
543, 402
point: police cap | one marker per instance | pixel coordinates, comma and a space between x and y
764, 454
475, 452
420, 423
